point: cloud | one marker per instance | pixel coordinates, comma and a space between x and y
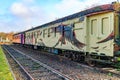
28, 1
22, 13
9, 26
66, 7
20, 10
27, 14
30, 15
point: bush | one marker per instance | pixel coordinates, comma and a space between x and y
117, 66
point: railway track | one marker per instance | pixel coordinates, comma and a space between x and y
35, 70
18, 72
75, 70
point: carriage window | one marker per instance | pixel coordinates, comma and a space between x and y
104, 23
38, 32
55, 31
93, 26
49, 32
44, 33
31, 35
63, 30
34, 34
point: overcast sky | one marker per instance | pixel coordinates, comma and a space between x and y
20, 15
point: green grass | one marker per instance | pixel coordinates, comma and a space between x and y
5, 73
117, 66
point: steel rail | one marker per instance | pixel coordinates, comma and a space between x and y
28, 75
65, 77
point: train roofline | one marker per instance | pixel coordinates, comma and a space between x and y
100, 8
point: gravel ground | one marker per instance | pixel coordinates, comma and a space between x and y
36, 70
18, 73
75, 70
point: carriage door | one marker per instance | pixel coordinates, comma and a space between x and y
93, 32
99, 28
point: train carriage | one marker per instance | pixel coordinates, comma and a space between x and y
90, 35
18, 38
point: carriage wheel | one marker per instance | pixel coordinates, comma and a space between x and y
90, 62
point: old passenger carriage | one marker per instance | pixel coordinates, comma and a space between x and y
90, 35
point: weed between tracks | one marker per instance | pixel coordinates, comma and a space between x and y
117, 66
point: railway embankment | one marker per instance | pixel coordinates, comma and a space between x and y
5, 72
